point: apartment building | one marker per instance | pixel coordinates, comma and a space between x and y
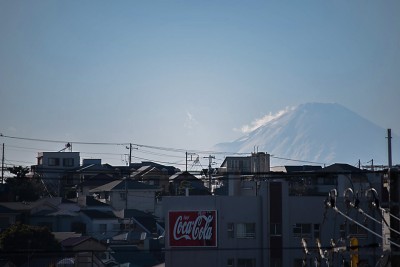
56, 170
280, 220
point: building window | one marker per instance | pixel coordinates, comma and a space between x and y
246, 262
276, 229
122, 196
54, 161
68, 162
316, 230
302, 230
357, 231
230, 263
231, 230
246, 230
342, 230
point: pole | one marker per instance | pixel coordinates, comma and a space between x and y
210, 158
126, 194
2, 166
130, 154
389, 137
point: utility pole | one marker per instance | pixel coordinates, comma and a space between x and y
191, 158
130, 157
210, 158
389, 137
2, 166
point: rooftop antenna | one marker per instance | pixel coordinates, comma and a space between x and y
67, 146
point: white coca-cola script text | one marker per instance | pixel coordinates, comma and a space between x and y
198, 229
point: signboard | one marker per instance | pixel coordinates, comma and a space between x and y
193, 228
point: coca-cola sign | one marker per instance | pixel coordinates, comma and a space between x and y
193, 228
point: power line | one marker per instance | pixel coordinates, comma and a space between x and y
298, 160
62, 141
169, 149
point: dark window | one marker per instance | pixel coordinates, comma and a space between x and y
246, 230
302, 230
54, 161
276, 229
316, 230
342, 230
68, 162
357, 231
246, 262
231, 230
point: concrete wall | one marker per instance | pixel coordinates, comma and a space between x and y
229, 210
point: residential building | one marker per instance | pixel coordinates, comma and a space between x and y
152, 176
256, 163
86, 251
128, 194
83, 188
57, 214
266, 222
237, 234
55, 169
185, 183
101, 225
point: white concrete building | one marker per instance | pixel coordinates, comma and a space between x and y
263, 222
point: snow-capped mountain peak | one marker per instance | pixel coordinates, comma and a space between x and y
323, 133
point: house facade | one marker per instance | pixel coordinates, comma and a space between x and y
101, 225
128, 194
56, 170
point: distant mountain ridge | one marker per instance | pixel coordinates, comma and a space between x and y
323, 133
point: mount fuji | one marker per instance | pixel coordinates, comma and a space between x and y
316, 133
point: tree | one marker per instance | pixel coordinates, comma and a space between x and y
19, 171
19, 239
22, 187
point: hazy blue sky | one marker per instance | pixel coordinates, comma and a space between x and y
186, 74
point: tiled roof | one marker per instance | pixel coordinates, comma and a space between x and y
97, 180
6, 210
97, 214
120, 185
73, 241
60, 236
302, 168
183, 175
19, 206
341, 167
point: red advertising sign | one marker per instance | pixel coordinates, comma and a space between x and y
193, 228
